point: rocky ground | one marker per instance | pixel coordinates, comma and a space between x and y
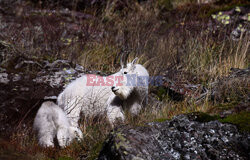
23, 91
183, 137
43, 47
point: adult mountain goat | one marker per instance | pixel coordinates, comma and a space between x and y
94, 95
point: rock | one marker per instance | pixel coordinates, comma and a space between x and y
58, 65
20, 100
30, 65
205, 1
16, 77
183, 137
22, 91
4, 78
79, 68
58, 73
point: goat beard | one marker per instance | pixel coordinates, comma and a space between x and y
123, 92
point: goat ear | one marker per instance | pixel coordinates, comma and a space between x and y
134, 61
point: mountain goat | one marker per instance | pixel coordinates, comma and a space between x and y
51, 122
93, 95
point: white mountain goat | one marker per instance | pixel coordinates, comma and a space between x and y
93, 95
51, 122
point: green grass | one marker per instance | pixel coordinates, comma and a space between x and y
204, 117
161, 120
65, 158
241, 120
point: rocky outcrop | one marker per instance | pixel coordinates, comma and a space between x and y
25, 85
183, 137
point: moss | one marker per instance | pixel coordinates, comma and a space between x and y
65, 158
95, 150
241, 120
121, 137
162, 93
121, 141
204, 117
161, 120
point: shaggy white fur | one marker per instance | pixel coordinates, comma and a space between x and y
134, 90
79, 97
51, 122
114, 109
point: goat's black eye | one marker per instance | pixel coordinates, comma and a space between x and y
125, 72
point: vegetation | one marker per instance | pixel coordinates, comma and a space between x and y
166, 35
242, 120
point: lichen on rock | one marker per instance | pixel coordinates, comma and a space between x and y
183, 137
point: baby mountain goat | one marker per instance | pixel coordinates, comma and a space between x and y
94, 95
51, 122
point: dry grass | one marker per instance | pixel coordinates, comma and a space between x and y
95, 131
24, 141
162, 41
215, 59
